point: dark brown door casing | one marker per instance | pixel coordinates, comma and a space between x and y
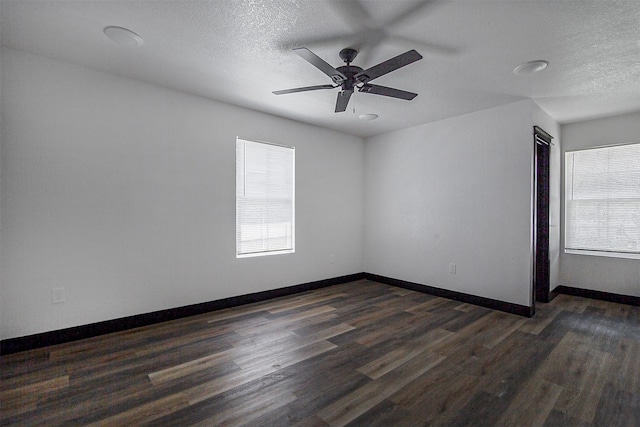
542, 141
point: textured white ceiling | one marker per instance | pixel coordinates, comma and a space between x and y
238, 51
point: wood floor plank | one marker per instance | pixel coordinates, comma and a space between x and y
333, 331
466, 308
483, 409
435, 303
385, 413
311, 421
309, 322
205, 333
559, 418
35, 388
471, 341
499, 326
89, 402
570, 303
396, 303
532, 405
314, 392
425, 403
388, 362
305, 302
455, 322
581, 371
626, 369
372, 315
402, 292
618, 310
505, 369
19, 362
364, 398
24, 398
271, 324
617, 408
13, 409
243, 344
543, 318
190, 367
401, 327
246, 412
253, 350
255, 371
257, 307
145, 413
270, 354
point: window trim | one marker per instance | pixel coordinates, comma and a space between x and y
293, 202
607, 254
590, 252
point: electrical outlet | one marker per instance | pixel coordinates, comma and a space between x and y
57, 295
452, 268
332, 259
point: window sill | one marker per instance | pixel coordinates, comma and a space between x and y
255, 254
602, 254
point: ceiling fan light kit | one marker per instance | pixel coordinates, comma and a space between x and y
351, 77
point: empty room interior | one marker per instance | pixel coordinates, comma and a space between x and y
320, 213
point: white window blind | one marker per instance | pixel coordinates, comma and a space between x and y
265, 203
602, 195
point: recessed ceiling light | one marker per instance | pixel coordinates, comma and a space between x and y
368, 116
530, 67
123, 36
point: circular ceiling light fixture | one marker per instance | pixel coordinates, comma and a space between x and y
368, 117
530, 67
123, 36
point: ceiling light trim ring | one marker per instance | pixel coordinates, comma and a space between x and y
122, 36
531, 67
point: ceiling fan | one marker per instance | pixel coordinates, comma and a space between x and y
349, 77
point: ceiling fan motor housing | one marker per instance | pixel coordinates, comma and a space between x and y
350, 72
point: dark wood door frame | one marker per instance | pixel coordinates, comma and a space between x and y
541, 263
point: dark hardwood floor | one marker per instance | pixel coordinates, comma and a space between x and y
360, 353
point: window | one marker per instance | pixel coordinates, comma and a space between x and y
602, 201
265, 203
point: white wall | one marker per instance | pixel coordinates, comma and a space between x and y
543, 120
454, 191
1, 144
123, 193
615, 275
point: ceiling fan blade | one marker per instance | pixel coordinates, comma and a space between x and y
388, 66
409, 12
388, 91
324, 41
343, 100
353, 12
320, 64
367, 43
302, 89
432, 47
